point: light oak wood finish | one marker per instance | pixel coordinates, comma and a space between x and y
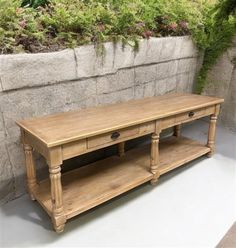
116, 175
30, 170
67, 135
212, 131
121, 149
66, 127
211, 135
155, 158
177, 130
58, 217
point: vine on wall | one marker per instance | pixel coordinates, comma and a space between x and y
220, 32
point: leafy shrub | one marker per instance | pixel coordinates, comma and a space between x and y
68, 23
220, 31
34, 3
50, 25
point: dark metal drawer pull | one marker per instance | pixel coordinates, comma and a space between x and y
115, 135
191, 114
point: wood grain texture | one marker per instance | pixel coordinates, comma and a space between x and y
86, 187
57, 209
177, 130
121, 149
212, 135
155, 159
30, 170
67, 127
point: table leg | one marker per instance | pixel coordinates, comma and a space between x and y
58, 216
30, 170
121, 149
177, 130
155, 158
212, 134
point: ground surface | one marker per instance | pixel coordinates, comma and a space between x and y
229, 240
193, 206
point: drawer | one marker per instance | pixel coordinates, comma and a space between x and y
147, 128
193, 115
168, 122
74, 149
112, 137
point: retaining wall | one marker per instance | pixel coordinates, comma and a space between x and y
40, 84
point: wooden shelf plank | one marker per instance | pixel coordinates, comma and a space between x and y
86, 187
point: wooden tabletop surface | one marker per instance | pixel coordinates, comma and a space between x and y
66, 127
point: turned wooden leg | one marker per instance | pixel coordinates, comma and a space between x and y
30, 170
121, 149
155, 158
211, 135
58, 217
177, 130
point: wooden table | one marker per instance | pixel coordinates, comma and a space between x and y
66, 135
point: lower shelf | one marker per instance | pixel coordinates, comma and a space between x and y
91, 185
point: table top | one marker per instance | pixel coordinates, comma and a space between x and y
62, 128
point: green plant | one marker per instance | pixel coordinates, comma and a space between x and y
34, 3
220, 29
50, 25
56, 24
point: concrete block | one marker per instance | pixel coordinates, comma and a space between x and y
187, 65
141, 55
188, 48
2, 129
232, 53
92, 62
6, 176
171, 84
145, 90
168, 48
144, 74
228, 113
192, 82
154, 48
167, 69
161, 87
124, 56
28, 103
105, 62
86, 57
17, 160
219, 77
27, 70
116, 97
123, 79
1, 89
183, 83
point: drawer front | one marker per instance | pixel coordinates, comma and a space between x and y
74, 149
187, 116
193, 115
168, 122
112, 137
147, 128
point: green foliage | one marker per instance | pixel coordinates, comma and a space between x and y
219, 31
50, 25
68, 23
34, 3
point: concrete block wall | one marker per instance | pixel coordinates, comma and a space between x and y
40, 84
222, 82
